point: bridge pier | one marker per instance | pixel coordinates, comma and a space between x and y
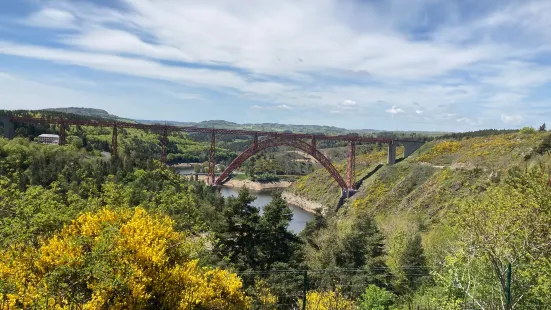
391, 153
411, 147
114, 142
62, 133
212, 161
351, 170
164, 141
9, 128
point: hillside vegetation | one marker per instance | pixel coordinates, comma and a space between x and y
89, 112
435, 162
465, 207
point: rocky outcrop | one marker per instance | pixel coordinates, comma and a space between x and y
303, 203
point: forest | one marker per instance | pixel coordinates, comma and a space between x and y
463, 224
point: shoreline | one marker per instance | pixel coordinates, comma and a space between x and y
303, 203
183, 165
257, 186
292, 199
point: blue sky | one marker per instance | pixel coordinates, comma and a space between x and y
450, 65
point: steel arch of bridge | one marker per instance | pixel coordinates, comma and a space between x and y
260, 146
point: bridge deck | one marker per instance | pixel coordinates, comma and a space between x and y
161, 127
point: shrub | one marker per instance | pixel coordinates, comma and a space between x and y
442, 148
327, 300
376, 298
125, 259
545, 145
527, 130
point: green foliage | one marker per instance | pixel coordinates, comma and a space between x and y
544, 146
355, 244
320, 186
238, 234
509, 223
473, 134
98, 113
527, 130
439, 250
249, 241
413, 264
376, 298
278, 244
265, 177
440, 149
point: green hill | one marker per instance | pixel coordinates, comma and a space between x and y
470, 202
476, 158
89, 112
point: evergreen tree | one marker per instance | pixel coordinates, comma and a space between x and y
363, 248
542, 127
356, 253
238, 235
278, 243
313, 227
413, 264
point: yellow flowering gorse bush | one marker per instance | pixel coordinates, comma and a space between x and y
327, 300
440, 149
123, 259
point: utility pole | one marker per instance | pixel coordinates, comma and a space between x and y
304, 290
508, 287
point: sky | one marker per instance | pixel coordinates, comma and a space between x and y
449, 65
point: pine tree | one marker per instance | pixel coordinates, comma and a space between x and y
363, 248
413, 264
313, 227
278, 243
239, 233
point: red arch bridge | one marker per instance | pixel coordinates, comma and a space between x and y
262, 140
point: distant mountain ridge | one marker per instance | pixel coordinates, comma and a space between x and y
90, 112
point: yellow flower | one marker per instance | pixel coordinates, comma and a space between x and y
124, 259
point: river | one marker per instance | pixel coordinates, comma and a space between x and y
300, 217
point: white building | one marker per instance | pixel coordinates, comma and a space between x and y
48, 139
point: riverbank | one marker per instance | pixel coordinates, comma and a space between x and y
257, 186
183, 165
303, 203
292, 199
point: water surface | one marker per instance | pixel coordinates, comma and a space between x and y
300, 217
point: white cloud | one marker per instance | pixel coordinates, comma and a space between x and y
277, 107
512, 119
284, 107
469, 121
185, 96
349, 103
291, 38
292, 57
395, 110
142, 68
51, 18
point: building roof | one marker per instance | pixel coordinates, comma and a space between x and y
47, 135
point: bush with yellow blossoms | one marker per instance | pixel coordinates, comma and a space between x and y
327, 300
116, 259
